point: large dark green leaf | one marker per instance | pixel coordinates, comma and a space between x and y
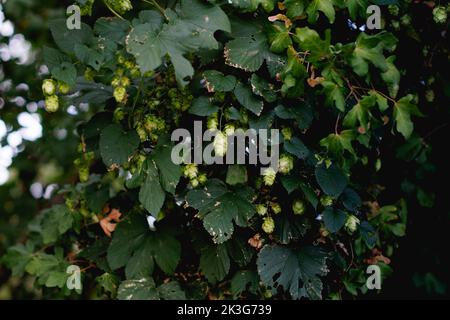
116, 145
297, 272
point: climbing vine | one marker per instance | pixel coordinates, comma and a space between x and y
139, 226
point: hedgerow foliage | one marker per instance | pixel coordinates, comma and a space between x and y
223, 231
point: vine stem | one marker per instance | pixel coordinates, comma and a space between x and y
112, 10
135, 101
337, 124
160, 9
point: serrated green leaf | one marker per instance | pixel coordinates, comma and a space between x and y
216, 81
296, 147
171, 291
112, 28
116, 145
334, 95
332, 180
297, 272
325, 6
403, 109
336, 144
66, 39
185, 33
203, 107
247, 99
236, 174
334, 219
262, 88
219, 207
138, 289
243, 281
56, 222
249, 48
152, 195
170, 173
136, 247
214, 262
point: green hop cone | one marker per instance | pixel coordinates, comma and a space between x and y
429, 95
83, 173
298, 207
120, 94
140, 130
393, 9
326, 201
220, 144
119, 114
229, 129
86, 8
287, 133
405, 20
63, 87
269, 175
286, 164
440, 15
89, 74
261, 209
268, 225
212, 122
194, 183
202, 178
52, 103
48, 87
119, 6
190, 171
276, 208
351, 224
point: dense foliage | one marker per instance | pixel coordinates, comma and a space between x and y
141, 227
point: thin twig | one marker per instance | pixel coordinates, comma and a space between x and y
112, 10
160, 9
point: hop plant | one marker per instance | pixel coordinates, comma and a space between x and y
119, 114
326, 201
405, 20
212, 122
269, 175
440, 15
286, 164
48, 87
220, 144
393, 9
268, 225
298, 207
351, 224
89, 74
229, 129
63, 87
52, 103
120, 94
261, 209
194, 183
287, 133
190, 171
202, 178
276, 208
119, 6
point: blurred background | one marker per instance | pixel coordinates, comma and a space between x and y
37, 149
